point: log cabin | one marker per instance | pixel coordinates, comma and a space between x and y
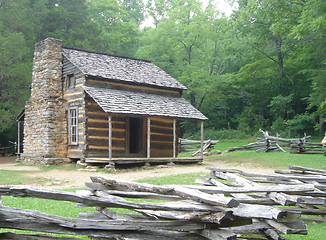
101, 108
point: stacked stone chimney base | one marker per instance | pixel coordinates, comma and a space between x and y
45, 125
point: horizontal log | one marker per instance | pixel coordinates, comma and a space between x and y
105, 148
290, 189
217, 234
183, 192
128, 86
37, 221
310, 170
15, 236
162, 120
142, 195
108, 201
286, 228
216, 217
191, 142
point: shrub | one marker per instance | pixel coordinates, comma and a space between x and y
213, 134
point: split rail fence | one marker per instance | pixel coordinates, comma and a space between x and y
292, 145
187, 145
226, 204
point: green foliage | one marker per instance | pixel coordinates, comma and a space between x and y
265, 61
301, 124
106, 26
278, 127
213, 134
281, 106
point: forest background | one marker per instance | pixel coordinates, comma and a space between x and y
261, 67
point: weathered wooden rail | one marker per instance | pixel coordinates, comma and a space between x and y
292, 145
226, 204
187, 145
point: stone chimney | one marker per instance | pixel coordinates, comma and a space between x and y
45, 126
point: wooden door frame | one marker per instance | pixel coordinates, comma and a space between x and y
140, 138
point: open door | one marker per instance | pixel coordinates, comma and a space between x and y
135, 137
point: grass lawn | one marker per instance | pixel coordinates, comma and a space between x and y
274, 160
8, 177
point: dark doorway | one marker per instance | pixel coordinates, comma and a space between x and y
135, 135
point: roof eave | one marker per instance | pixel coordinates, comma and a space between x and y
88, 76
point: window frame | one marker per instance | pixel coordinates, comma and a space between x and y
73, 126
70, 80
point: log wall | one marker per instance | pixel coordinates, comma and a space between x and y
75, 98
97, 132
122, 86
161, 137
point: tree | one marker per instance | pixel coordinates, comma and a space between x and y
118, 35
134, 11
268, 24
15, 60
311, 29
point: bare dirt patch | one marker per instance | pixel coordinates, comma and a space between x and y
59, 179
9, 163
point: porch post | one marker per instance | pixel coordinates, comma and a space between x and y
18, 143
174, 138
148, 137
110, 137
201, 139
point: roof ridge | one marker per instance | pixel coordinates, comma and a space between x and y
107, 54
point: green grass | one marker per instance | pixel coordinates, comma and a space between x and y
180, 179
275, 160
8, 177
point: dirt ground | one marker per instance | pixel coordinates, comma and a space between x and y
60, 179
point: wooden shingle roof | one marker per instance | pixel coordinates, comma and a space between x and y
121, 69
114, 101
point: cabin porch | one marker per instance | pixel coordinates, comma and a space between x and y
106, 161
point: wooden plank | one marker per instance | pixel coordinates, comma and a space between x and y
110, 136
124, 160
174, 139
148, 137
202, 139
162, 120
202, 149
106, 148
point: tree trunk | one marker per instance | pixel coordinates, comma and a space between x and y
280, 57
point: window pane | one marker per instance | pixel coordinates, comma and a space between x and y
73, 126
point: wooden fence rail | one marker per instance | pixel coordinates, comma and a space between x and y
292, 145
187, 145
225, 204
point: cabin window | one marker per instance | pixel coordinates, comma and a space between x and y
73, 126
70, 81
